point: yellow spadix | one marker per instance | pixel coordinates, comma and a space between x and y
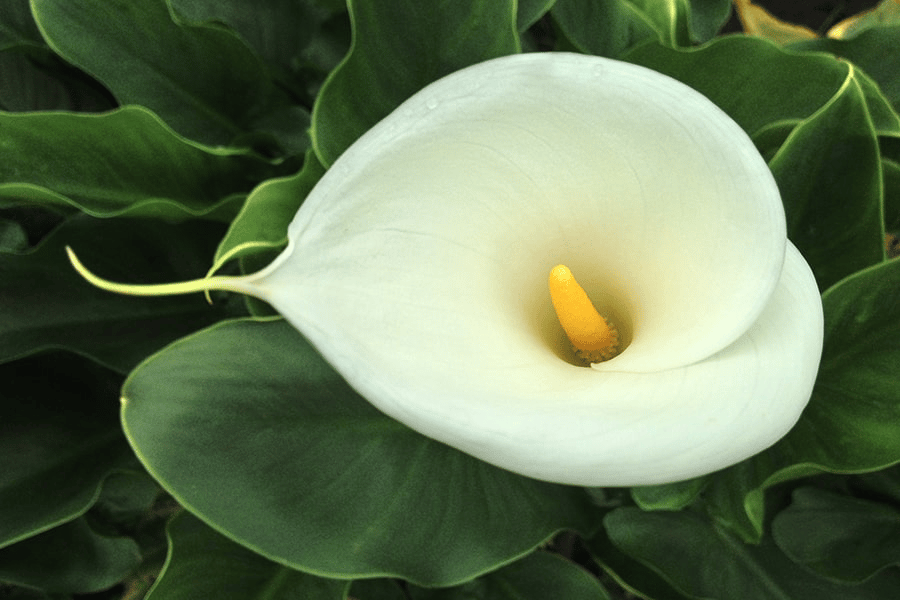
593, 337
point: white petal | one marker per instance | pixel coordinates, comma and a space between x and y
418, 267
444, 220
584, 427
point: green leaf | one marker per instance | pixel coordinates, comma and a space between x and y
203, 564
671, 496
277, 30
852, 422
203, 81
603, 28
398, 48
46, 304
637, 579
126, 162
726, 68
702, 560
838, 536
883, 484
531, 11
829, 175
708, 17
891, 175
538, 576
17, 25
887, 12
612, 27
13, 237
876, 51
33, 78
262, 223
317, 478
61, 439
71, 558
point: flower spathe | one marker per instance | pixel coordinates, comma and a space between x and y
418, 267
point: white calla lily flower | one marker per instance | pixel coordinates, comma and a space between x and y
418, 266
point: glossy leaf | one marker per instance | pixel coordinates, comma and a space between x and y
61, 439
538, 576
70, 558
262, 223
829, 175
126, 162
603, 28
838, 536
702, 560
876, 51
708, 17
317, 478
723, 68
46, 304
203, 81
452, 35
203, 564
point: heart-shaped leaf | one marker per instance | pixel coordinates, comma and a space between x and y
316, 478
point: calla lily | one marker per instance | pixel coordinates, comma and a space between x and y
418, 266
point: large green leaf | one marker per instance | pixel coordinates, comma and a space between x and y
71, 558
60, 441
538, 576
726, 68
124, 162
203, 564
829, 175
852, 423
838, 536
704, 561
398, 48
316, 478
876, 51
202, 80
44, 303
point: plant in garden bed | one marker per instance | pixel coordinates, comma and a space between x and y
290, 479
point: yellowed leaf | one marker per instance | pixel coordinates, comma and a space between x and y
886, 13
757, 21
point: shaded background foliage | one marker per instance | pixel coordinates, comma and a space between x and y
202, 489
